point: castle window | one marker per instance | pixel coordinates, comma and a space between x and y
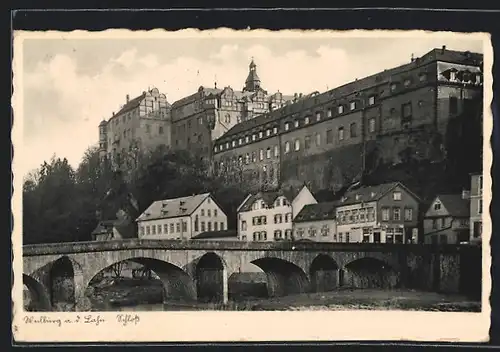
287, 147
254, 156
318, 139
275, 130
261, 154
215, 149
422, 77
306, 120
233, 144
296, 123
318, 115
341, 133
200, 121
307, 142
276, 151
371, 100
353, 130
297, 145
406, 112
328, 113
240, 141
340, 109
407, 82
371, 125
268, 153
353, 105
393, 87
160, 129
247, 158
268, 133
247, 139
260, 134
227, 118
254, 137
329, 136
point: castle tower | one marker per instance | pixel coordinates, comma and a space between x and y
252, 82
103, 140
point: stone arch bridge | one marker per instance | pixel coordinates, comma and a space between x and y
196, 269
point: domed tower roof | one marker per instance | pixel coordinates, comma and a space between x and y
252, 83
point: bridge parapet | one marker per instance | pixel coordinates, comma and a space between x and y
95, 246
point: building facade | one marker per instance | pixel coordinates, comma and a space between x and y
385, 213
141, 123
181, 218
203, 117
476, 207
328, 138
316, 222
447, 220
268, 216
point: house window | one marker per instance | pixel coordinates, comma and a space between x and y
434, 224
437, 206
371, 100
184, 226
268, 153
288, 234
288, 217
318, 116
353, 130
216, 226
203, 226
215, 149
371, 125
307, 142
160, 130
276, 151
312, 232
406, 111
341, 133
268, 133
480, 184
328, 113
277, 234
296, 123
340, 109
352, 105
165, 229
142, 230
422, 77
275, 130
202, 212
147, 230
159, 229
396, 195
394, 86
178, 227
306, 120
480, 206
200, 121
243, 225
408, 214
227, 145
209, 226
172, 228
329, 136
222, 226
325, 230
261, 154
396, 214
407, 82
453, 105
341, 237
209, 213
153, 230
297, 145
385, 214
287, 126
347, 237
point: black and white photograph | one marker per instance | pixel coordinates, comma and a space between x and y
251, 172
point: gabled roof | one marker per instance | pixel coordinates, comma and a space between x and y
371, 193
172, 208
455, 204
268, 197
216, 234
317, 212
132, 104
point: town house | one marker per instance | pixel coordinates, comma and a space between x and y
447, 220
385, 213
181, 218
476, 207
316, 222
268, 216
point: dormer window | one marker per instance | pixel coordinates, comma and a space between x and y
227, 145
437, 206
215, 149
233, 143
478, 79
340, 109
358, 197
254, 137
422, 77
453, 75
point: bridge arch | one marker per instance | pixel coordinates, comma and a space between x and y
369, 272
39, 297
283, 277
177, 284
211, 278
324, 273
64, 276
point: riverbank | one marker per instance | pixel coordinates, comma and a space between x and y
147, 295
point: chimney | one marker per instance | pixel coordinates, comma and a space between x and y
127, 98
412, 57
113, 113
443, 48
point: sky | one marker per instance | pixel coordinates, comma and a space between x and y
70, 85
